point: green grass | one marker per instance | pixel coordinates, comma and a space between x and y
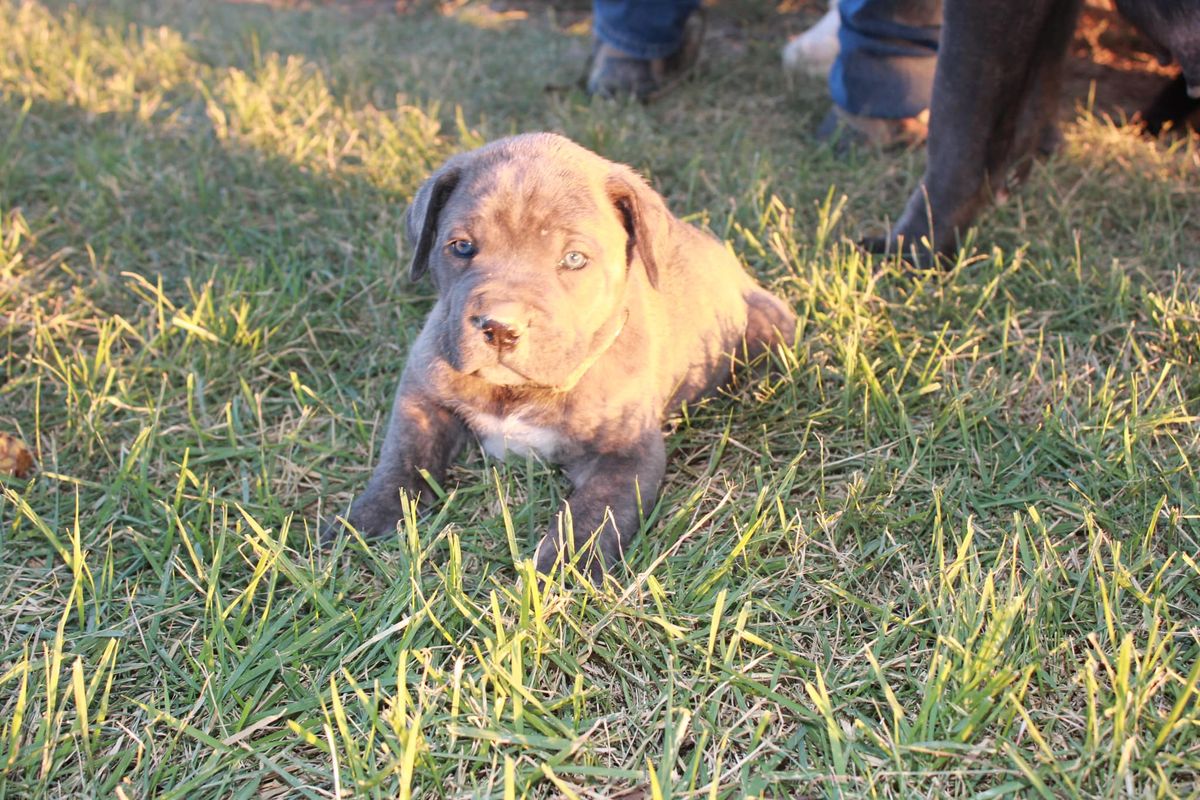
949, 550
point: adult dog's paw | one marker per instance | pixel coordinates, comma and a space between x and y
917, 257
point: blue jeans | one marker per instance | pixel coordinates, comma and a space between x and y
887, 57
642, 28
885, 67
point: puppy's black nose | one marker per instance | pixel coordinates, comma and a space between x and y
500, 335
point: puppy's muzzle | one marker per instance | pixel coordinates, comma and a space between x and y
501, 327
498, 334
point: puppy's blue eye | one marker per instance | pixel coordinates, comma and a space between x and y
463, 248
573, 260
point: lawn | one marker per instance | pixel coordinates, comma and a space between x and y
949, 548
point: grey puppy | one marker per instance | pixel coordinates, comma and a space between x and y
573, 311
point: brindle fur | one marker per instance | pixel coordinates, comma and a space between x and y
655, 319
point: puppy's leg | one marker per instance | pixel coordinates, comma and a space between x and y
769, 321
420, 435
994, 94
604, 506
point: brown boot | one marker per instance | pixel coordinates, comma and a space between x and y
844, 130
615, 73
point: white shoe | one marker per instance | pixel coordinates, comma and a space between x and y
814, 51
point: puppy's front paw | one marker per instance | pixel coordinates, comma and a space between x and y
370, 515
546, 555
552, 552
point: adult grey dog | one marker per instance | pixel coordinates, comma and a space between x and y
573, 310
995, 99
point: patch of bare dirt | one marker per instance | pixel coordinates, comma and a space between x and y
1123, 63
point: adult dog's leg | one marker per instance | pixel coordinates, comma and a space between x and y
994, 100
1171, 106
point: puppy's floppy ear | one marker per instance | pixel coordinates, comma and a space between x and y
646, 220
422, 216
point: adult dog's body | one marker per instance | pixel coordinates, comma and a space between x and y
995, 98
573, 310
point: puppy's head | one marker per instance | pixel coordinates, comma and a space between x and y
534, 245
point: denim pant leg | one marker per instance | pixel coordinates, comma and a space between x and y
642, 28
887, 58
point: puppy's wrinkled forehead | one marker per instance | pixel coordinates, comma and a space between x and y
517, 196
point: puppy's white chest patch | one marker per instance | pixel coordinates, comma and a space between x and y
501, 436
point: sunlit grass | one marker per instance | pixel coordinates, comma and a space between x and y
947, 549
